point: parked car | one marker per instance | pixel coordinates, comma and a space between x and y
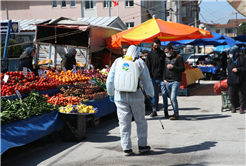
196, 57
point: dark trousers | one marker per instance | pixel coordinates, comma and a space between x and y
237, 95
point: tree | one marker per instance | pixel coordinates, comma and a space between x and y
13, 51
242, 29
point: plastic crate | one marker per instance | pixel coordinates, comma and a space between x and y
226, 104
74, 127
184, 92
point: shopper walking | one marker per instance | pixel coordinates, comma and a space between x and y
131, 104
224, 62
236, 81
174, 67
155, 62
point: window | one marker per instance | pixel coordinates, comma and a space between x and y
217, 31
229, 30
129, 3
63, 3
54, 3
105, 3
129, 25
88, 4
184, 11
72, 3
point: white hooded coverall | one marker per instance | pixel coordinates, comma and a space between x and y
131, 103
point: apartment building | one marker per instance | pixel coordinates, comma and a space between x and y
131, 12
230, 29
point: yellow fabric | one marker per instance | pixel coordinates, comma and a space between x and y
150, 28
193, 75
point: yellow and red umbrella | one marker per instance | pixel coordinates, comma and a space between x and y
156, 28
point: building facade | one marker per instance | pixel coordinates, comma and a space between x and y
131, 12
230, 29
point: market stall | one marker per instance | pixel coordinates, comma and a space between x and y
31, 106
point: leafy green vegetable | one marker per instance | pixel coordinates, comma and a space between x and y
32, 105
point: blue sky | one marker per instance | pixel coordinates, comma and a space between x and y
218, 11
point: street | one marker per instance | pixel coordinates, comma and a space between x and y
203, 135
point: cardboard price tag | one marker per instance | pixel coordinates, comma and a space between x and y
44, 74
74, 67
57, 73
92, 82
19, 95
29, 70
25, 71
40, 73
64, 69
74, 71
6, 77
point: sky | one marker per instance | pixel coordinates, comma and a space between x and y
218, 11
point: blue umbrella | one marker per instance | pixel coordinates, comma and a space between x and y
218, 39
223, 48
241, 38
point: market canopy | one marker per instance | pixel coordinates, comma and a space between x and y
156, 28
224, 48
218, 39
241, 38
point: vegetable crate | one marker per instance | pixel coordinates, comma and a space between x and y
226, 104
74, 128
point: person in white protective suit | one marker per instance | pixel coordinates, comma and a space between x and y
131, 104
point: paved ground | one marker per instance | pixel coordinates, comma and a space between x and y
203, 136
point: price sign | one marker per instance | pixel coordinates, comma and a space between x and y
19, 95
92, 82
44, 74
64, 69
6, 77
57, 73
29, 70
74, 67
74, 71
40, 73
107, 66
25, 71
92, 66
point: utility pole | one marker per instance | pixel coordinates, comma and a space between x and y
6, 8
236, 23
195, 5
109, 12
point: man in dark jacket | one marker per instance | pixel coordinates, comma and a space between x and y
155, 63
26, 59
236, 81
69, 60
174, 67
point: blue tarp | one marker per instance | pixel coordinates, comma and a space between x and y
104, 106
25, 131
209, 69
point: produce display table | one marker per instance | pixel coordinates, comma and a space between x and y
211, 69
25, 131
104, 106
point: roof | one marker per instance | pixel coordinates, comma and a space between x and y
233, 21
28, 25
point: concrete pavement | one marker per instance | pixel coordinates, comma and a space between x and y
203, 136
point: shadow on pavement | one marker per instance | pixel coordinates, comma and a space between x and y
195, 117
186, 149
